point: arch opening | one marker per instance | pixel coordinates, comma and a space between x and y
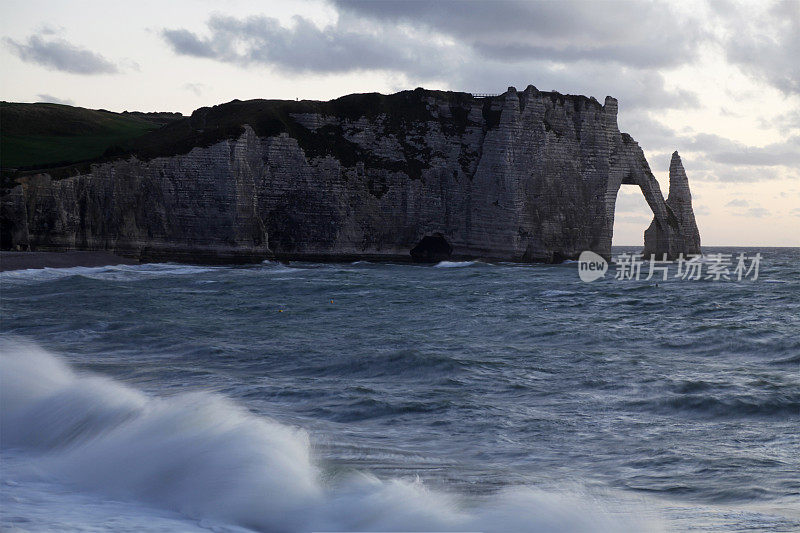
632, 216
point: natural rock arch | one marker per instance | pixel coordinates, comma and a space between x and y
524, 176
673, 230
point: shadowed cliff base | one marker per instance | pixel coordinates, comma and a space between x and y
432, 249
524, 176
26, 260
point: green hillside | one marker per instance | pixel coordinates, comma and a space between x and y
43, 135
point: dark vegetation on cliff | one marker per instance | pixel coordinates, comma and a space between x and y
38, 136
404, 112
67, 140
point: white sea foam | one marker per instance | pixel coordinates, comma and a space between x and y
106, 273
454, 264
276, 267
47, 274
212, 461
556, 292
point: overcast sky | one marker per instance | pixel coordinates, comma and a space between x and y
717, 81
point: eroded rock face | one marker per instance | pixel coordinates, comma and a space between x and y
680, 235
524, 176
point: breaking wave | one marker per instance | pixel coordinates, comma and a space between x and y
105, 273
207, 458
454, 264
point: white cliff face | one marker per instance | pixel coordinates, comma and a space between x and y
525, 176
686, 238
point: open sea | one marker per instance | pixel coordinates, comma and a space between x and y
396, 397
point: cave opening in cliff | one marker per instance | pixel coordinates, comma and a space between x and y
6, 239
431, 249
632, 215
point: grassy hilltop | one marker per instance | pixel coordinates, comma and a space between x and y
47, 135
64, 140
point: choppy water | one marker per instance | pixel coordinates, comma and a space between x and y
379, 397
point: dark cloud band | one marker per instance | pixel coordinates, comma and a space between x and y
59, 54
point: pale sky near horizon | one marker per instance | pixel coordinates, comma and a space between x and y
718, 81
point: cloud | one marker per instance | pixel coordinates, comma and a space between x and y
58, 54
712, 157
745, 209
554, 31
725, 112
786, 123
420, 49
631, 204
757, 212
187, 43
50, 99
130, 64
722, 150
765, 44
196, 88
703, 170
649, 132
655, 135
701, 209
306, 48
47, 29
737, 203
635, 89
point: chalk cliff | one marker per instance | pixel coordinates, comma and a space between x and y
523, 176
686, 240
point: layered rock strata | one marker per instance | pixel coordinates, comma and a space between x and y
524, 176
684, 237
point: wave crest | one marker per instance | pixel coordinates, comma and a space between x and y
454, 264
203, 456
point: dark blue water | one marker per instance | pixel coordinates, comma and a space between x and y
468, 396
